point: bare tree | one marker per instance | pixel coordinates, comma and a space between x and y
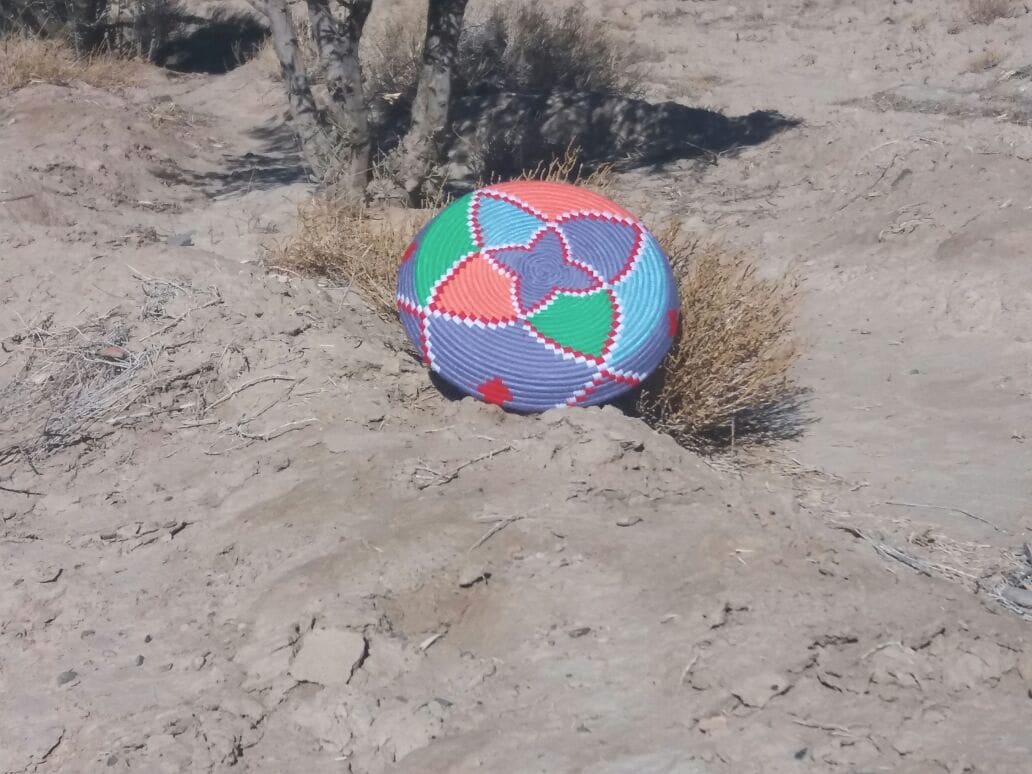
420, 149
336, 138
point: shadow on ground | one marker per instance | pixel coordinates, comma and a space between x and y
500, 135
277, 162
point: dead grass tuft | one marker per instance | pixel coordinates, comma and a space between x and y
531, 47
354, 245
727, 377
569, 168
988, 11
987, 60
26, 60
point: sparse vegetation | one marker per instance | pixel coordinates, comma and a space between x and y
988, 11
987, 60
354, 245
727, 377
25, 60
522, 47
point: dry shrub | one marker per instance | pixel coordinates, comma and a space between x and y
569, 168
393, 60
354, 245
987, 60
988, 11
529, 47
520, 47
25, 60
727, 376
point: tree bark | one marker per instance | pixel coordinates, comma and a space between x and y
309, 123
337, 41
420, 148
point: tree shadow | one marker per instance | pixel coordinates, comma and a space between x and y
501, 135
277, 162
215, 45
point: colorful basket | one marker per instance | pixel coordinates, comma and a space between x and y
534, 295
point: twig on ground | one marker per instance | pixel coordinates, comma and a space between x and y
494, 531
247, 385
823, 726
945, 508
182, 317
882, 646
454, 473
26, 492
275, 432
689, 667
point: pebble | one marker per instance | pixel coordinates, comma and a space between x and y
628, 521
713, 725
139, 661
180, 240
67, 676
328, 656
1022, 597
580, 631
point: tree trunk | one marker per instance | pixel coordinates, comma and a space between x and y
337, 41
420, 148
309, 124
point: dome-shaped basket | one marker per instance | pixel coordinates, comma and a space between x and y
534, 295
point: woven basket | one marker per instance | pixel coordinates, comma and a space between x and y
534, 295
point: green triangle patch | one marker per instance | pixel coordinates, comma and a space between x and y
447, 239
581, 323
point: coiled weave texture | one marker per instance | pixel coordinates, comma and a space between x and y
534, 295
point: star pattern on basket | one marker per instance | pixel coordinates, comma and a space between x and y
542, 269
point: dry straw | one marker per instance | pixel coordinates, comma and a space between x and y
26, 60
728, 375
988, 11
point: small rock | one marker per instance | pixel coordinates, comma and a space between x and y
908, 742
1022, 597
628, 521
112, 352
147, 638
580, 631
112, 760
67, 676
139, 661
329, 656
473, 574
713, 725
180, 240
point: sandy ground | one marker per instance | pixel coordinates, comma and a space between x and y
282, 550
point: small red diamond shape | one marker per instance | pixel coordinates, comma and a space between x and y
495, 391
